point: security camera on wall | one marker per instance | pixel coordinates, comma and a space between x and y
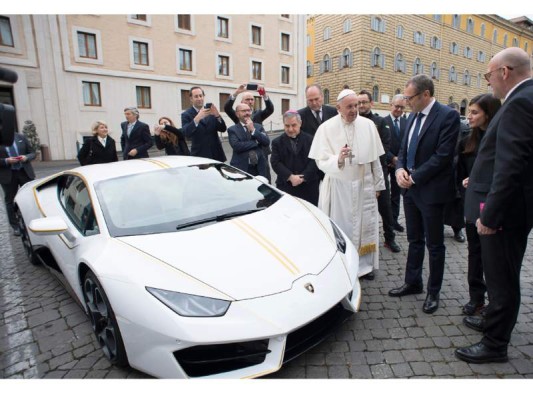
7, 112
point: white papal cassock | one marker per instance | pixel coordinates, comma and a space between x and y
348, 194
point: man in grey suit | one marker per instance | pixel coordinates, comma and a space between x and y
15, 171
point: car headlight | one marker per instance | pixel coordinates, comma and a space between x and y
339, 238
188, 305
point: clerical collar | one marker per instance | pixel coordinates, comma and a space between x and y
367, 115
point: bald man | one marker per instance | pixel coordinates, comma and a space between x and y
499, 197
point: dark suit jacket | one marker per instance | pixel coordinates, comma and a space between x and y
309, 122
285, 162
204, 137
180, 149
92, 151
384, 134
395, 141
437, 140
139, 139
502, 175
258, 116
242, 143
24, 149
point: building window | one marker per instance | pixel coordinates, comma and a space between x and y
454, 48
399, 63
435, 43
437, 17
184, 22
327, 33
222, 100
515, 42
223, 65
495, 36
285, 105
144, 97
222, 27
456, 21
377, 24
526, 47
138, 17
418, 67
285, 42
419, 37
470, 25
326, 96
452, 76
185, 59
87, 45
309, 40
466, 78
481, 56
257, 70
468, 52
140, 53
91, 94
376, 58
286, 16
479, 80
186, 99
346, 59
6, 34
285, 75
256, 35
434, 70
309, 69
375, 93
399, 32
505, 37
326, 64
482, 30
347, 26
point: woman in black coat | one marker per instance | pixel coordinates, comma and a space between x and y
99, 149
481, 110
170, 138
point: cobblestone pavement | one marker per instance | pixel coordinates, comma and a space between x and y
45, 334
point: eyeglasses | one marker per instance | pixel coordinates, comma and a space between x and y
489, 74
409, 98
398, 107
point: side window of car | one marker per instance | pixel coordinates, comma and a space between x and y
75, 200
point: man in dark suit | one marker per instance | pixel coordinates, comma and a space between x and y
365, 103
246, 138
425, 171
201, 124
135, 139
397, 123
316, 112
297, 174
499, 197
15, 171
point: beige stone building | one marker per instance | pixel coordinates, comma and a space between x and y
380, 52
75, 69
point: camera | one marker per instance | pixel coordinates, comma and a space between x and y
252, 86
207, 106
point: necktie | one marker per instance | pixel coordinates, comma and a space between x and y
411, 150
130, 127
396, 127
317, 116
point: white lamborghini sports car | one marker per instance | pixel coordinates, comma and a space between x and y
190, 268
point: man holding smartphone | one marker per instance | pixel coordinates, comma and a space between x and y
15, 171
201, 123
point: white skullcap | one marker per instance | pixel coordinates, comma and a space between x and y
344, 93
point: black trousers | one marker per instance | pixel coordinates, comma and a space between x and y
476, 283
502, 255
425, 224
385, 210
18, 178
395, 195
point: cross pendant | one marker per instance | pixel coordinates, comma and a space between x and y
351, 157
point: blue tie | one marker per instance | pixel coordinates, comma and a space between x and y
396, 127
411, 150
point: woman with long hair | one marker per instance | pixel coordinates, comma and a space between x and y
100, 148
170, 138
481, 110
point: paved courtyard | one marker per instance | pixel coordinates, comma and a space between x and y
45, 334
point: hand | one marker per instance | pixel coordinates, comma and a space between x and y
214, 111
204, 112
394, 161
249, 125
132, 153
12, 160
377, 194
261, 90
296, 180
403, 179
344, 154
465, 183
484, 230
239, 90
157, 129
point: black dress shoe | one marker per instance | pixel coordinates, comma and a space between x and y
472, 307
397, 227
475, 323
459, 237
431, 304
369, 277
392, 246
406, 289
479, 354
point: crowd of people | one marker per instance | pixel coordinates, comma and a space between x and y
355, 165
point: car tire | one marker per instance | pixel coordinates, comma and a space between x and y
103, 320
26, 242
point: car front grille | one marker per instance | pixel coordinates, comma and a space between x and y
213, 359
312, 334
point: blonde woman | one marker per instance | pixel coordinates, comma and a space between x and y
100, 148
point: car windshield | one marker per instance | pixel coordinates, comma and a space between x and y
180, 198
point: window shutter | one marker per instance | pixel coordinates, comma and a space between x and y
372, 59
350, 59
383, 61
322, 67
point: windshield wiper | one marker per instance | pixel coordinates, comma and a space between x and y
218, 218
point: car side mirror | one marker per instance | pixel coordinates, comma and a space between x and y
48, 226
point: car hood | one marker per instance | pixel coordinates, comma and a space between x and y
250, 256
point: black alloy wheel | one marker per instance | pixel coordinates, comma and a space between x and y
26, 242
103, 320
